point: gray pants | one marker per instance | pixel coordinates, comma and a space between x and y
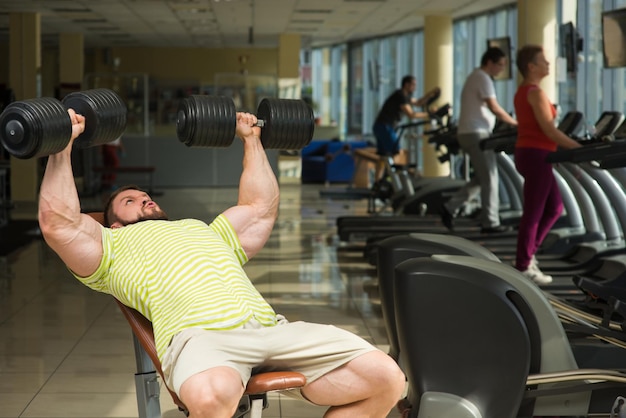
485, 181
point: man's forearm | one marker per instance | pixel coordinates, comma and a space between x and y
258, 186
59, 205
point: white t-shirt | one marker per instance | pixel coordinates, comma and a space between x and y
475, 116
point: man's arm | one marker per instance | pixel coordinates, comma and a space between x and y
500, 113
257, 206
412, 114
75, 237
422, 101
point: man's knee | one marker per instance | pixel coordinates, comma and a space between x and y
215, 391
387, 375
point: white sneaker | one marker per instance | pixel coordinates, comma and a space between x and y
533, 263
536, 275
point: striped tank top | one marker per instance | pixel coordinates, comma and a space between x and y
180, 274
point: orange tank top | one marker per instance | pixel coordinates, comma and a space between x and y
529, 133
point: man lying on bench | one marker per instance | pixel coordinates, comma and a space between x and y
211, 326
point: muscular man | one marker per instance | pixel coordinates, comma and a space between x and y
479, 110
212, 327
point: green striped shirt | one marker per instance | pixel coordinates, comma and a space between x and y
180, 274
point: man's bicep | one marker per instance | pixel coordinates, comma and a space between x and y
252, 230
80, 248
491, 102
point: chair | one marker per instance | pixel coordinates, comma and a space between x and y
148, 365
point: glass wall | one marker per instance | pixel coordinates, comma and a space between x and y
591, 88
357, 77
589, 92
357, 84
349, 82
614, 80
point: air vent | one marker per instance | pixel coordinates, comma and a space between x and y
72, 10
302, 30
313, 11
115, 35
103, 29
89, 20
308, 21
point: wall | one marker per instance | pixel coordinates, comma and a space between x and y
4, 63
180, 166
199, 64
49, 71
190, 64
176, 164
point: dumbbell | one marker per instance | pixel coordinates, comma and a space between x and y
39, 127
210, 121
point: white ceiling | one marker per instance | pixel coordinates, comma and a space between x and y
231, 23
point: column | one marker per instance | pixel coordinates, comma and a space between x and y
25, 80
289, 45
537, 24
71, 62
438, 71
71, 73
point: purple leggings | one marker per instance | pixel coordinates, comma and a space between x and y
542, 202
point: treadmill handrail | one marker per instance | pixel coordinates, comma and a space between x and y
615, 160
592, 152
500, 139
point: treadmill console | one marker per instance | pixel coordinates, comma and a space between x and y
620, 132
571, 123
607, 123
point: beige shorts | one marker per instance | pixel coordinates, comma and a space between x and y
311, 349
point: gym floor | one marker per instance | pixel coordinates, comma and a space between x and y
66, 351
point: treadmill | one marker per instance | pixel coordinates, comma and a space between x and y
606, 196
365, 227
352, 192
586, 257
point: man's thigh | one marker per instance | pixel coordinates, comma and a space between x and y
311, 349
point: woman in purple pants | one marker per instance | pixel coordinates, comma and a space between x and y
537, 136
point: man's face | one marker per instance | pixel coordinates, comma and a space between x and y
495, 68
132, 206
411, 86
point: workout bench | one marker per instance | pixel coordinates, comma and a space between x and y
251, 404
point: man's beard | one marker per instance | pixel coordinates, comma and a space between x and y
158, 215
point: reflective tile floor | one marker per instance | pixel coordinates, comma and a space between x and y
66, 351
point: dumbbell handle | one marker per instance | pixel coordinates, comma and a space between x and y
260, 123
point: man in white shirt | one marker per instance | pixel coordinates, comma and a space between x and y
479, 110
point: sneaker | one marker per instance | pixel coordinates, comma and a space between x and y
495, 229
537, 275
534, 263
447, 218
